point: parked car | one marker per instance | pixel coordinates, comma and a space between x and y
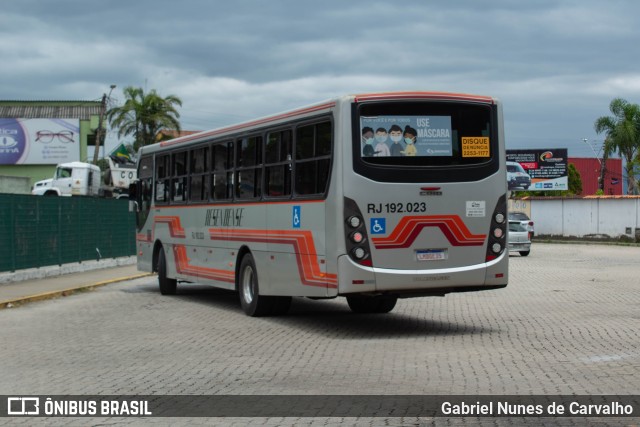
517, 177
519, 238
524, 220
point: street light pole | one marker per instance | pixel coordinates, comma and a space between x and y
103, 111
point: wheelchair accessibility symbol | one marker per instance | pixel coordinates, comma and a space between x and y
378, 225
296, 217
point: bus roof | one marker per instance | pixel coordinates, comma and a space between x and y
446, 96
324, 106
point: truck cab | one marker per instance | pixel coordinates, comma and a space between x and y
71, 179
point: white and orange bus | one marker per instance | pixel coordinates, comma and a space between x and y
373, 197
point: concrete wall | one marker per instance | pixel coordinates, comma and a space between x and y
33, 173
15, 184
589, 216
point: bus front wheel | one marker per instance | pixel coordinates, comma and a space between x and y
167, 286
378, 304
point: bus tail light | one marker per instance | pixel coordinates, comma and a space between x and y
356, 234
498, 230
357, 237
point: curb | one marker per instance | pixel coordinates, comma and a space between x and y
59, 270
66, 292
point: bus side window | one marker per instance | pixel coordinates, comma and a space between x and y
313, 158
222, 170
162, 178
180, 178
249, 167
199, 176
278, 163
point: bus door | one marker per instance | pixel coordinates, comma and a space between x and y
144, 228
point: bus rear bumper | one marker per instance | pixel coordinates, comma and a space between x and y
356, 279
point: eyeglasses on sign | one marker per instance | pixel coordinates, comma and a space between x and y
46, 136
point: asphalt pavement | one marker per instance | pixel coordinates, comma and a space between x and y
20, 292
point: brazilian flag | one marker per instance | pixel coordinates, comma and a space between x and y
120, 151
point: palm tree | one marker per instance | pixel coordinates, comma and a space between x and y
622, 132
145, 115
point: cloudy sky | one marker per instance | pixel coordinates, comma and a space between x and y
555, 64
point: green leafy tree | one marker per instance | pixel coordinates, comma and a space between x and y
145, 115
622, 132
575, 180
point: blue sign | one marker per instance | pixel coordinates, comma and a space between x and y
296, 217
378, 225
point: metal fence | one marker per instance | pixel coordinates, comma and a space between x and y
37, 231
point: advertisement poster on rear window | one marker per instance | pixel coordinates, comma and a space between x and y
537, 170
411, 136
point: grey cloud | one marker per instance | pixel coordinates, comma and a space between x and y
555, 63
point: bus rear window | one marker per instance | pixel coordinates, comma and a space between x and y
423, 135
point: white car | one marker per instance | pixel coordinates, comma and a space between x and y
524, 220
519, 238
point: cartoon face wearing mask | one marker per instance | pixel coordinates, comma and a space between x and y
395, 134
410, 139
381, 148
367, 140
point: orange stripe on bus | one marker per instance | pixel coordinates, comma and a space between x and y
423, 95
303, 247
183, 266
302, 242
175, 227
409, 227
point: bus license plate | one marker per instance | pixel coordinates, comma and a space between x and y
431, 254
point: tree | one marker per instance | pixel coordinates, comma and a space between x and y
144, 115
575, 180
622, 132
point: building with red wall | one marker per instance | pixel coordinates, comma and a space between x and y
589, 169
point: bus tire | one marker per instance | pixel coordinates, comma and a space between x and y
524, 253
253, 304
281, 305
386, 304
167, 286
379, 304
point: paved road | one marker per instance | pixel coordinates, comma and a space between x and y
567, 324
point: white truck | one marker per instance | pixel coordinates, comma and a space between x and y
84, 179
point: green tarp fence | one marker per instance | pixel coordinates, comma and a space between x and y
37, 231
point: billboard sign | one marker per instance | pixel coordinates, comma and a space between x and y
39, 141
546, 169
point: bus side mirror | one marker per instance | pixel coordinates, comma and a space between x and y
134, 196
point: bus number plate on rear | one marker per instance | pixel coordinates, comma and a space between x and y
431, 254
398, 207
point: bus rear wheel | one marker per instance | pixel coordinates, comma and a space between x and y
254, 304
167, 286
378, 304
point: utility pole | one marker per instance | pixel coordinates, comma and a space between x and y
603, 170
602, 163
103, 111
